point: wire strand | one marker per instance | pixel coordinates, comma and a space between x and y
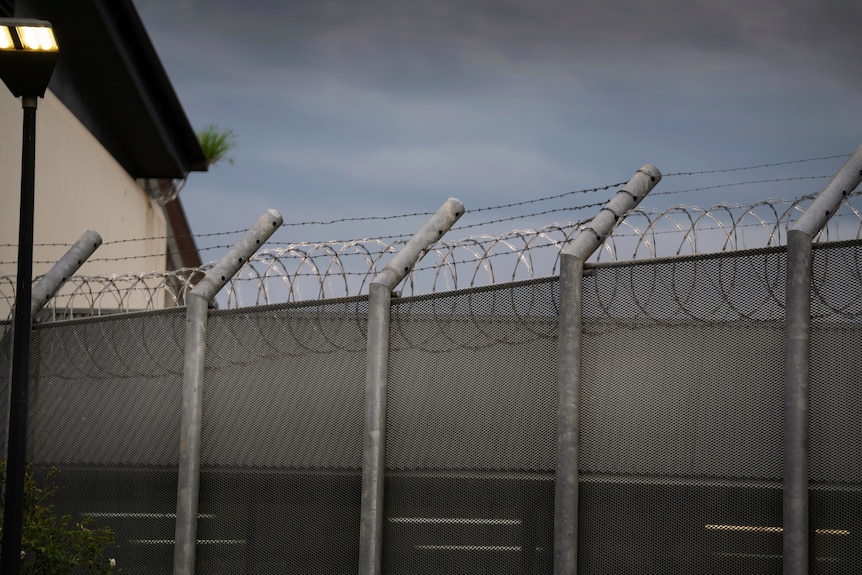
473, 211
756, 167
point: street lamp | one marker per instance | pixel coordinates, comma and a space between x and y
28, 52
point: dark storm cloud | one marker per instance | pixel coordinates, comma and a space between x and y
458, 44
339, 103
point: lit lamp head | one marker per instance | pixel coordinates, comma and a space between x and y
28, 52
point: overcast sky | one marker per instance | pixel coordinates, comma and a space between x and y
346, 108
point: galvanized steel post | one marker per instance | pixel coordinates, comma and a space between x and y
50, 283
66, 266
376, 381
796, 538
569, 344
796, 341
197, 304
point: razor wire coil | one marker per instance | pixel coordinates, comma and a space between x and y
307, 271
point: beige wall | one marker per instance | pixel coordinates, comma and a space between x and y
79, 186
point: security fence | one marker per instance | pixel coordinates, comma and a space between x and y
643, 416
680, 433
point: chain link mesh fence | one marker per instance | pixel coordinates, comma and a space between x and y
680, 441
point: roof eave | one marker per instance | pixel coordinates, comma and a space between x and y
111, 78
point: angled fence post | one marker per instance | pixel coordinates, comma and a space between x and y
48, 286
376, 380
795, 534
72, 260
197, 303
569, 343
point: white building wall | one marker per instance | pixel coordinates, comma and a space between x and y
79, 186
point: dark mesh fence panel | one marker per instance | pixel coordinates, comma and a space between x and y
105, 406
471, 432
683, 408
282, 439
681, 432
682, 416
835, 452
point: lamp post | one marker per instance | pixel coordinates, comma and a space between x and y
28, 52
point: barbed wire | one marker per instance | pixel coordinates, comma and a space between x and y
336, 269
476, 225
397, 216
737, 184
755, 167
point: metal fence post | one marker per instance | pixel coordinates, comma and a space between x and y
376, 380
66, 266
197, 304
48, 286
569, 342
796, 342
795, 556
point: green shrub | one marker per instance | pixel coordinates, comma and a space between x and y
53, 544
